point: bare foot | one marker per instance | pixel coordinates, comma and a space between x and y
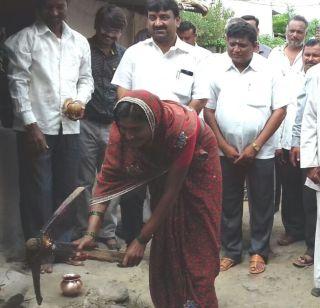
47, 265
46, 268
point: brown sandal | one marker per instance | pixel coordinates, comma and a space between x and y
303, 261
257, 264
226, 263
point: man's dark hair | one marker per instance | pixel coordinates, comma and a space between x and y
39, 4
299, 18
242, 30
251, 17
186, 26
163, 5
312, 42
110, 16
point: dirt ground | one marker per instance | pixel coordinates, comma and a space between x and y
281, 286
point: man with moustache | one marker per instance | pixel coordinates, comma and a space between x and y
311, 57
106, 54
245, 108
163, 65
48, 63
288, 60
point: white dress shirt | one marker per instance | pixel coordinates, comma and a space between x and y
43, 72
174, 75
279, 59
286, 128
310, 129
293, 79
301, 103
244, 101
202, 52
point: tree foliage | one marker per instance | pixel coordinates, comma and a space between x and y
210, 28
271, 41
312, 28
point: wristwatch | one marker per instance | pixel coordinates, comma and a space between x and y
256, 147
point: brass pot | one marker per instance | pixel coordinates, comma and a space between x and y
71, 284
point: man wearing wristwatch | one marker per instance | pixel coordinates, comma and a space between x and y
246, 106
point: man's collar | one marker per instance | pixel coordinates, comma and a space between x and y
179, 44
283, 47
253, 65
114, 48
43, 29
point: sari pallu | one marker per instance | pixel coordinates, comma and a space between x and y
184, 258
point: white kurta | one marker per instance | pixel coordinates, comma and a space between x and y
310, 156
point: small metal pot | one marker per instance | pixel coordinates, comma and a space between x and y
71, 284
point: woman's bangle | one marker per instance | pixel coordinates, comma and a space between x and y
96, 213
92, 234
141, 240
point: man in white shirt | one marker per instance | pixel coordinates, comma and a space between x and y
310, 159
307, 217
288, 59
246, 107
48, 63
187, 32
163, 65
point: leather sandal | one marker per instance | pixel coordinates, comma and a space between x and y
226, 263
303, 261
257, 264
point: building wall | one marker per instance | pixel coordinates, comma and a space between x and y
81, 16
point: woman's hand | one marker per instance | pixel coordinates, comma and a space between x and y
134, 254
85, 241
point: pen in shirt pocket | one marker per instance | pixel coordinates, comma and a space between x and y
183, 71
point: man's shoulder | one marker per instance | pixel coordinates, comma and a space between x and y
23, 33
277, 50
313, 71
77, 35
264, 50
22, 38
120, 49
134, 51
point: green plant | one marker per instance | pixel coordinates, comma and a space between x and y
270, 41
280, 21
210, 28
312, 28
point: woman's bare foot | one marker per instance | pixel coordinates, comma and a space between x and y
47, 265
46, 268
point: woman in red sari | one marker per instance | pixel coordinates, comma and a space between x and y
166, 145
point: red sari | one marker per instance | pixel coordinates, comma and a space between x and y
184, 258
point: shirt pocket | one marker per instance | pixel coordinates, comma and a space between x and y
183, 83
257, 96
